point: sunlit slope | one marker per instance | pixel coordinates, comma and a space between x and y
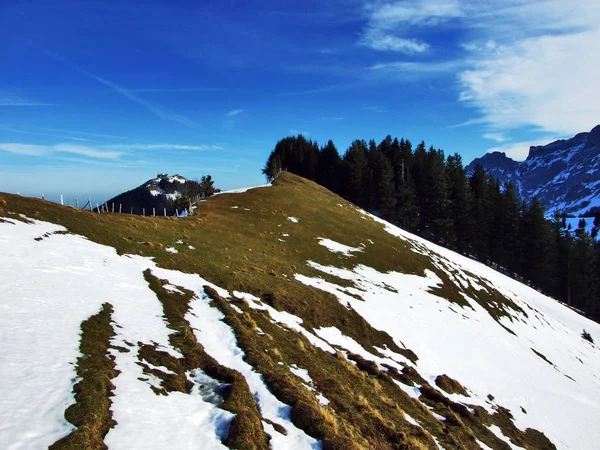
351, 322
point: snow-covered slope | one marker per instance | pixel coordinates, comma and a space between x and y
367, 364
49, 287
559, 395
564, 175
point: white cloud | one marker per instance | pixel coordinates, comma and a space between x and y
235, 112
498, 137
417, 67
419, 12
50, 150
8, 99
395, 44
520, 150
535, 65
520, 65
40, 133
164, 147
196, 89
390, 23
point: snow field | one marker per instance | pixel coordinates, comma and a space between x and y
469, 345
41, 280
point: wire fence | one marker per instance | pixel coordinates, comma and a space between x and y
119, 208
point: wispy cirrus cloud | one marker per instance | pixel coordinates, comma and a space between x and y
390, 24
40, 133
379, 41
165, 147
191, 89
153, 107
419, 68
8, 99
533, 64
51, 150
521, 65
235, 112
498, 137
548, 82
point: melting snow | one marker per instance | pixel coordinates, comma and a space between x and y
293, 219
336, 247
37, 337
469, 345
239, 191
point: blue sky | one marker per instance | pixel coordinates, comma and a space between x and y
96, 97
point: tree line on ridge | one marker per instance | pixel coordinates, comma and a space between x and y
430, 194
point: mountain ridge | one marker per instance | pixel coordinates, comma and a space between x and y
160, 193
564, 175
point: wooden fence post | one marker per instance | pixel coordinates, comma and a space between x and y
144, 212
120, 208
165, 212
77, 203
153, 212
98, 208
113, 207
61, 199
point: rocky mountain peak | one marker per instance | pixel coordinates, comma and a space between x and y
564, 175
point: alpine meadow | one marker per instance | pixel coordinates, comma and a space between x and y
299, 225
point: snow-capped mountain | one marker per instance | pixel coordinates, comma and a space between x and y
158, 193
564, 175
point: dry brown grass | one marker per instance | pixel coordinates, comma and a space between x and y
237, 250
91, 411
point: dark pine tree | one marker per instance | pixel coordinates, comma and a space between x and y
481, 211
459, 196
329, 170
358, 167
383, 184
538, 247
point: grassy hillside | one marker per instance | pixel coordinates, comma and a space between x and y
257, 243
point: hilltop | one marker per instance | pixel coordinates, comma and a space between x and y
130, 331
165, 194
564, 175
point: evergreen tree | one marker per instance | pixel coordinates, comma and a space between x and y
583, 275
481, 211
538, 255
207, 186
459, 197
438, 196
508, 232
383, 181
329, 168
357, 166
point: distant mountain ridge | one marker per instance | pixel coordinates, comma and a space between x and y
564, 175
160, 193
